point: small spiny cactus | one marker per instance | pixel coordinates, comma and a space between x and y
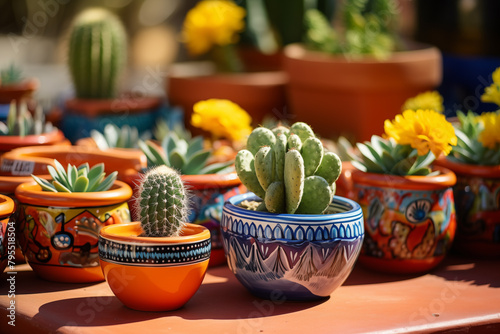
162, 203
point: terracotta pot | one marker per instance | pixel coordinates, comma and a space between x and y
339, 96
8, 143
157, 273
58, 232
82, 115
477, 197
258, 93
410, 221
301, 257
18, 91
7, 246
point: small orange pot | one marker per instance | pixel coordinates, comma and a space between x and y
157, 273
58, 232
18, 91
7, 247
410, 221
477, 194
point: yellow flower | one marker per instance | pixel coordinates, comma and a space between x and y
424, 130
428, 100
223, 118
212, 22
492, 93
490, 136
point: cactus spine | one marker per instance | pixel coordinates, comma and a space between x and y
289, 169
162, 203
97, 53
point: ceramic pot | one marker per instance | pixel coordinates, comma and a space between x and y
156, 273
477, 198
83, 115
7, 247
258, 93
18, 91
9, 143
353, 98
410, 221
58, 232
301, 257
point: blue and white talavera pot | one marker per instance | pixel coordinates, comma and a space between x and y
292, 257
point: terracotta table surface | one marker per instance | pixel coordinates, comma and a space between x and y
461, 296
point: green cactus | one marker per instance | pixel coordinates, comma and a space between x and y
162, 203
289, 171
97, 53
21, 123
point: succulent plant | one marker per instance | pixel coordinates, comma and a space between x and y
10, 75
162, 202
20, 122
116, 137
76, 179
162, 129
289, 169
97, 53
188, 157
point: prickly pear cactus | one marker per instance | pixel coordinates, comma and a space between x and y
162, 202
289, 169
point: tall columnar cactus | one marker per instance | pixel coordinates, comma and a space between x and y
97, 53
289, 169
162, 202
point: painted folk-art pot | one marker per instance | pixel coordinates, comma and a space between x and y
58, 232
410, 221
477, 198
7, 246
154, 273
300, 257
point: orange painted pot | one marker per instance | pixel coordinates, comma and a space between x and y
477, 195
7, 232
9, 143
157, 273
410, 221
58, 232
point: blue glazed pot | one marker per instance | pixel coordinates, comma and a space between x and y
292, 257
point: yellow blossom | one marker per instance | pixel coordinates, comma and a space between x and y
492, 93
424, 130
427, 100
490, 135
223, 118
212, 22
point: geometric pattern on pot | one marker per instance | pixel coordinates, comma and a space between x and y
406, 224
302, 257
151, 254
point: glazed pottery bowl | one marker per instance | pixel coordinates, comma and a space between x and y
7, 246
477, 198
299, 257
58, 232
410, 221
155, 273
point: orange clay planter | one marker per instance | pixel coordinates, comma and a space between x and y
7, 247
8, 143
410, 221
477, 195
58, 232
155, 273
18, 91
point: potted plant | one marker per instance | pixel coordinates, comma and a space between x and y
60, 220
259, 92
96, 57
347, 81
124, 137
409, 208
291, 234
476, 161
7, 208
163, 258
14, 87
24, 129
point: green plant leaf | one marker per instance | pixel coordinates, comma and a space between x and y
218, 168
94, 182
359, 166
72, 175
99, 140
155, 157
111, 134
422, 162
107, 182
60, 187
197, 161
46, 185
194, 145
63, 178
81, 184
53, 173
177, 160
402, 167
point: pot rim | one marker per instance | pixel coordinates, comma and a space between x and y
10, 142
211, 180
129, 233
416, 182
352, 211
470, 169
7, 206
31, 193
130, 103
